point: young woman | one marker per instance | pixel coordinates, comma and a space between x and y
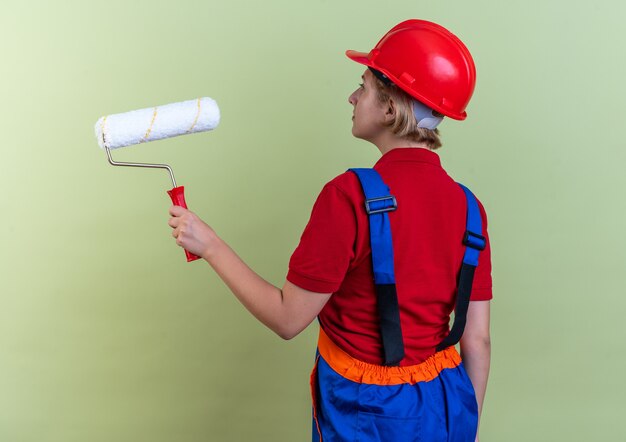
386, 257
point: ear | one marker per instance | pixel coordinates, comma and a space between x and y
390, 111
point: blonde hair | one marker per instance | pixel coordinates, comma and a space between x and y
404, 124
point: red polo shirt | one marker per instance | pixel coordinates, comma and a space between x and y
334, 256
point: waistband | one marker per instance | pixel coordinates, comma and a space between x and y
365, 373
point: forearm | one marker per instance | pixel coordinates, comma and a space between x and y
285, 311
262, 299
476, 355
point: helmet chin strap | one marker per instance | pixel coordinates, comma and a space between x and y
424, 116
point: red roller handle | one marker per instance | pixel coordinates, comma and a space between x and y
177, 194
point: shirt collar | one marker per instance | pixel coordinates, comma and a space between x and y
410, 154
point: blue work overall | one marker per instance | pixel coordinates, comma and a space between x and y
432, 401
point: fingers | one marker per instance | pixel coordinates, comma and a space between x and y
177, 210
179, 239
177, 213
178, 222
175, 221
190, 232
179, 235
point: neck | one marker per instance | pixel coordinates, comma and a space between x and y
389, 142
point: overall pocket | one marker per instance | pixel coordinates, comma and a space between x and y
380, 428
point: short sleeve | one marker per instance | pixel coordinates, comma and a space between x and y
482, 284
327, 245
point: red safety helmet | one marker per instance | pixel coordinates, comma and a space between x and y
426, 61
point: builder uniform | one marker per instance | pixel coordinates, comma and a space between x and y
391, 373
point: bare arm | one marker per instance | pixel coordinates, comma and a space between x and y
476, 348
286, 312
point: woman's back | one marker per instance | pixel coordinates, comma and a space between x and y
427, 230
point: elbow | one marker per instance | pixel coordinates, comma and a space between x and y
482, 341
289, 327
476, 342
286, 336
287, 333
476, 338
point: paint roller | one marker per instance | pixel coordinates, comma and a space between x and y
156, 123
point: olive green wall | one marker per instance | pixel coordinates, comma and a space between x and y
107, 334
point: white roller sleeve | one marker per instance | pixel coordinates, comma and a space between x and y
156, 123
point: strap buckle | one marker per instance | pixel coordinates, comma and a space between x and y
474, 240
382, 205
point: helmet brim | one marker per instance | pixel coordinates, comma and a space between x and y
359, 57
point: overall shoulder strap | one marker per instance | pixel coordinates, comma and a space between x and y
474, 242
378, 201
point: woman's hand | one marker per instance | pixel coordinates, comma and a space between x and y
191, 233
